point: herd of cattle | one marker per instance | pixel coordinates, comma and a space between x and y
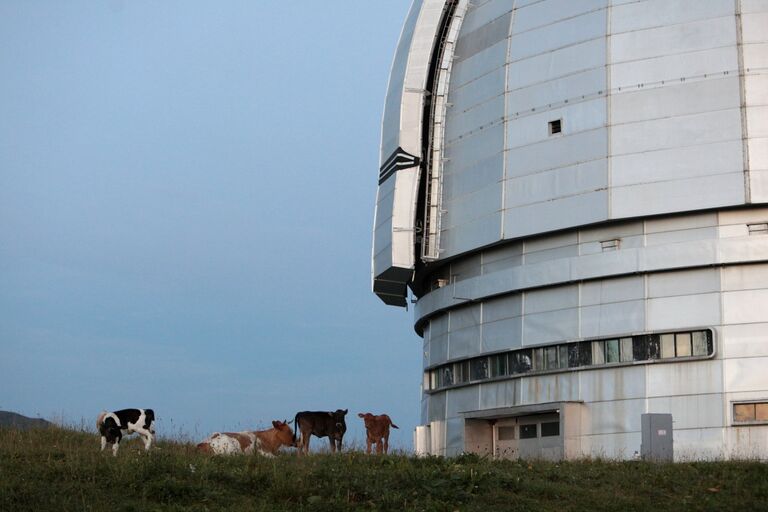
114, 425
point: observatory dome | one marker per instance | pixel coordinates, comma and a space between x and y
575, 192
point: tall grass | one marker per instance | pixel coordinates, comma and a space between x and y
58, 469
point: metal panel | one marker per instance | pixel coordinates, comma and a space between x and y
674, 67
502, 335
606, 291
746, 374
473, 149
479, 15
557, 64
472, 43
676, 100
612, 384
676, 163
745, 277
686, 37
680, 131
549, 388
550, 327
687, 378
479, 176
476, 233
480, 64
612, 319
543, 217
454, 437
745, 306
677, 196
543, 13
572, 87
557, 152
577, 179
462, 399
611, 446
745, 340
499, 394
551, 299
614, 417
685, 311
550, 37
480, 117
464, 342
648, 14
579, 117
437, 408
462, 209
697, 411
688, 282
502, 308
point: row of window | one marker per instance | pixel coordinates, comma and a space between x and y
646, 347
530, 431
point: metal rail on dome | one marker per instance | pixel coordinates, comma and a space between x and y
440, 73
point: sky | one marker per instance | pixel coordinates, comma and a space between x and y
187, 192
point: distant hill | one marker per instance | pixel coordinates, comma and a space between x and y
14, 420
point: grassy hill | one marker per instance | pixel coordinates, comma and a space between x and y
57, 469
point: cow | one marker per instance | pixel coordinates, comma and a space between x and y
263, 442
114, 425
377, 431
321, 424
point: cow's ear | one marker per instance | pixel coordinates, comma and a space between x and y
275, 423
346, 411
360, 415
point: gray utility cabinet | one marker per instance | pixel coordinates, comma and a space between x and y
656, 437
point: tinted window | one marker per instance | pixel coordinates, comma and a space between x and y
528, 431
550, 429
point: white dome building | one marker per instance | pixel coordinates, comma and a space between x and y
576, 194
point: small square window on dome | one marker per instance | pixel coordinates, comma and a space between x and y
555, 126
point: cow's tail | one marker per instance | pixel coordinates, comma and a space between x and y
100, 420
295, 427
392, 423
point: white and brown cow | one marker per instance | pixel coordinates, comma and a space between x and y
114, 425
377, 431
263, 442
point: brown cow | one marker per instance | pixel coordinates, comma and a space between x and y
264, 442
377, 431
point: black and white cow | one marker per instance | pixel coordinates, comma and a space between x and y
114, 425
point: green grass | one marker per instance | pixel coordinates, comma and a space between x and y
57, 469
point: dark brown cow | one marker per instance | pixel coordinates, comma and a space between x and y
377, 431
321, 424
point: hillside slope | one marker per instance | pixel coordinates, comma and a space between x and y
62, 470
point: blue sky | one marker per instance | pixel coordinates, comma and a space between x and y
186, 204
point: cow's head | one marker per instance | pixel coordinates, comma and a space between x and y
367, 418
284, 433
340, 424
112, 431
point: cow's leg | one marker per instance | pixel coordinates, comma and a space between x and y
115, 447
368, 445
103, 442
338, 442
333, 444
305, 441
379, 447
148, 438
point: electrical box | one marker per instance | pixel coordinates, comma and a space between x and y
656, 437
